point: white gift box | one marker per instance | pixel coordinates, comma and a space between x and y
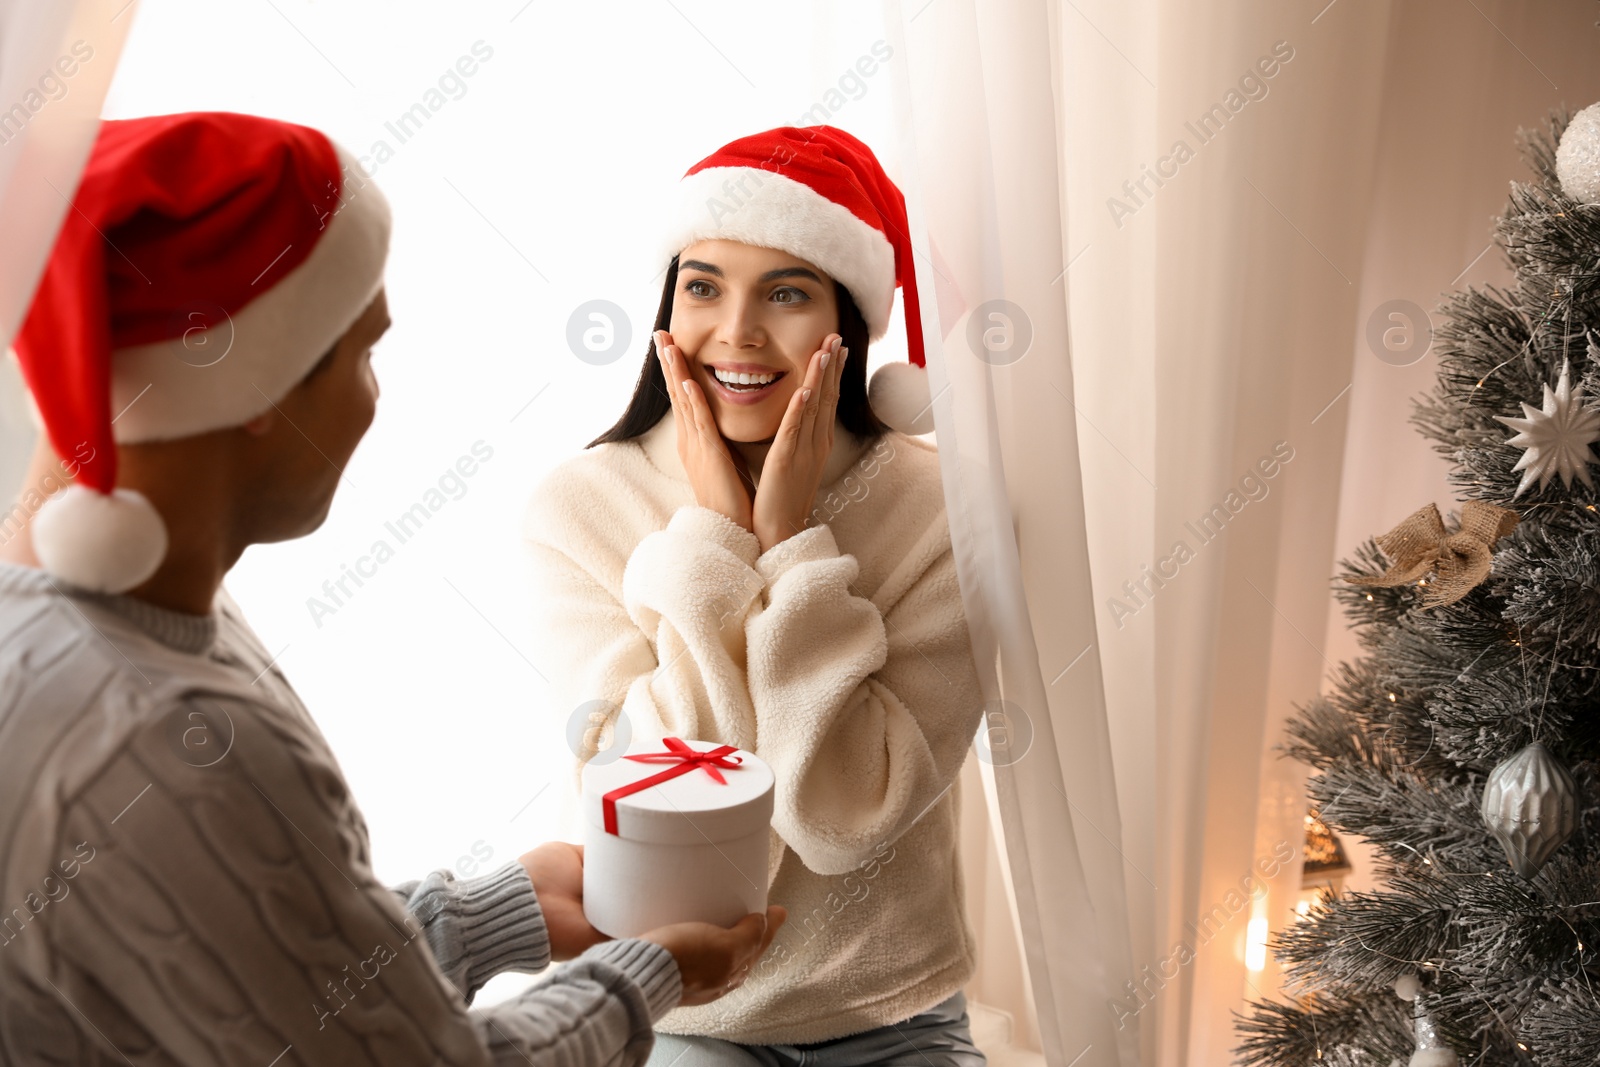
686, 847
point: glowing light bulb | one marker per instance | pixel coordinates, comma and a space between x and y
1255, 952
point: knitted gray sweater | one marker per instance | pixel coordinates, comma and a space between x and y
184, 876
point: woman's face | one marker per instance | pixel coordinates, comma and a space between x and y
744, 310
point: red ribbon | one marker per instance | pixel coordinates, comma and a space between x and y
684, 760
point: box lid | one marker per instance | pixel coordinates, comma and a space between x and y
690, 808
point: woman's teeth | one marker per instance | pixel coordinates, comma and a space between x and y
741, 381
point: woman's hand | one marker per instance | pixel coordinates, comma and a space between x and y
713, 961
556, 871
717, 480
792, 471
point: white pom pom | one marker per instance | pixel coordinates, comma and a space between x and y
105, 544
1407, 986
899, 396
1434, 1057
1578, 156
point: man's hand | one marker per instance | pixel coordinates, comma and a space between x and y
712, 961
556, 870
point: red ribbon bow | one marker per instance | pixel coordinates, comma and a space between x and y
684, 760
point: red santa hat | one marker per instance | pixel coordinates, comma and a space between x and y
208, 262
821, 195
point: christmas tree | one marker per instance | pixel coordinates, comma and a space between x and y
1464, 743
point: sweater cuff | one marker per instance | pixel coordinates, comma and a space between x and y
502, 925
707, 524
806, 546
649, 965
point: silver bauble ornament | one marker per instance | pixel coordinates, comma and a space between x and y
1530, 804
1578, 156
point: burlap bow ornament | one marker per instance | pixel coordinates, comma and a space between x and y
1460, 560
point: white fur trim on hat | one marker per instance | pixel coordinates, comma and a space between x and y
226, 375
762, 208
99, 542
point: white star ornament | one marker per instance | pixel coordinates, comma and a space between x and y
1557, 438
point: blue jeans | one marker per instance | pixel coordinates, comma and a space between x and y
938, 1037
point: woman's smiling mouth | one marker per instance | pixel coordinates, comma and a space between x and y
743, 383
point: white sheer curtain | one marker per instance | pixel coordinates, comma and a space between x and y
1177, 386
1213, 316
56, 61
972, 179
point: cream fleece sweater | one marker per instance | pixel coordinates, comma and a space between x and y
840, 656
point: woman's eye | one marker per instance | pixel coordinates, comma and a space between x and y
789, 295
699, 287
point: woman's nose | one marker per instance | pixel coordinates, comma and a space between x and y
741, 326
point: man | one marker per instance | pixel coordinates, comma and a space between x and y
184, 875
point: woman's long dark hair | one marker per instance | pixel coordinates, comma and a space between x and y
650, 401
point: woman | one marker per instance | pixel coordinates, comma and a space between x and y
751, 557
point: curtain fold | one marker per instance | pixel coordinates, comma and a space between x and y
1211, 295
1256, 281
982, 165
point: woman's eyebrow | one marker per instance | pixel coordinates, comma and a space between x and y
791, 272
769, 276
